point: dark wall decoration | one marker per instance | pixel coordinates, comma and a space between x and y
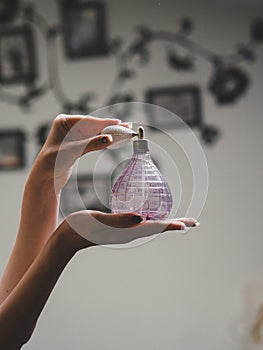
92, 194
84, 29
12, 149
17, 55
184, 101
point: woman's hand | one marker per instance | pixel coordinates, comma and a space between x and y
88, 228
70, 137
20, 311
40, 205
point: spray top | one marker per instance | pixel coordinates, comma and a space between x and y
122, 135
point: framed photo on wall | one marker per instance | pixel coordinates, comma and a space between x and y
8, 10
184, 101
17, 55
84, 28
42, 133
12, 149
92, 194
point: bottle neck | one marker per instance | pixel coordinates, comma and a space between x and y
140, 146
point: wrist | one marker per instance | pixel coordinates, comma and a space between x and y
69, 240
48, 169
45, 162
42, 174
61, 242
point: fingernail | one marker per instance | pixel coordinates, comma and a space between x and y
136, 219
129, 124
105, 139
196, 224
183, 226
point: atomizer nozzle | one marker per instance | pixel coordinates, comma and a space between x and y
140, 145
140, 133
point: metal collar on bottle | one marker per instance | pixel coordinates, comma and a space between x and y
140, 146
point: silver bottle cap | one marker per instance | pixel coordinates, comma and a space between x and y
140, 146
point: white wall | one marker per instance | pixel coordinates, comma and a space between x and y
176, 292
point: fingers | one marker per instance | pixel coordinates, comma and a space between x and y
189, 222
152, 227
180, 224
174, 226
126, 125
75, 118
104, 228
85, 125
109, 121
78, 127
123, 220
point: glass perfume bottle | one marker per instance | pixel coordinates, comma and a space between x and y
141, 187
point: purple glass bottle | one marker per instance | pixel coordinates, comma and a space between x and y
141, 187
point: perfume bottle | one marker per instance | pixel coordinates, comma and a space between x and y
141, 187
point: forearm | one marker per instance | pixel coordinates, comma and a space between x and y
20, 311
40, 201
38, 221
40, 204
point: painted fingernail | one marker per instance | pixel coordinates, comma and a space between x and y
136, 219
105, 139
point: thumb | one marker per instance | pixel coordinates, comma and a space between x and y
92, 144
120, 220
103, 228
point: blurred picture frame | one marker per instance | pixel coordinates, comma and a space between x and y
12, 149
93, 193
184, 101
84, 28
42, 133
8, 10
17, 55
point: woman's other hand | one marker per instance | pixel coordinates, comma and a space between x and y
70, 137
88, 228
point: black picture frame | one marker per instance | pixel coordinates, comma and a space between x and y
84, 28
8, 10
12, 149
89, 196
184, 101
17, 55
42, 133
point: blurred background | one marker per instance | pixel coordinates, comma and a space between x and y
202, 60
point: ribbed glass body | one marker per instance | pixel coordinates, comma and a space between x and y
141, 188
